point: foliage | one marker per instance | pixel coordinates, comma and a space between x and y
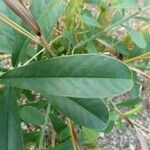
78, 64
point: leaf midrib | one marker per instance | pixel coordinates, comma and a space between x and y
92, 77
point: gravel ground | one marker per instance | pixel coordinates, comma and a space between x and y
126, 138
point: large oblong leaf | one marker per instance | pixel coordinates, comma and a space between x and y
91, 113
85, 76
10, 131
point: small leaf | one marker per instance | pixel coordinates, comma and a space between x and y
90, 21
136, 51
30, 114
117, 17
91, 48
109, 127
127, 4
129, 103
90, 135
118, 45
137, 38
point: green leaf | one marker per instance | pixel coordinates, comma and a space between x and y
73, 76
127, 4
29, 95
117, 17
21, 42
57, 123
90, 135
137, 38
96, 2
90, 21
11, 136
60, 127
7, 35
110, 126
91, 113
38, 105
146, 2
47, 14
129, 103
50, 15
19, 50
118, 45
135, 51
145, 19
64, 146
91, 48
30, 114
31, 137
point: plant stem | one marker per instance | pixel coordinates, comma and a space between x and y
53, 138
121, 114
71, 133
110, 28
34, 57
137, 109
139, 71
145, 55
44, 127
50, 44
18, 28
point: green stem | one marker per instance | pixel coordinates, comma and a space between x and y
42, 50
18, 28
44, 127
110, 28
34, 57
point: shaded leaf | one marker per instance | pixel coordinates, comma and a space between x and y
31, 137
57, 123
91, 113
10, 130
